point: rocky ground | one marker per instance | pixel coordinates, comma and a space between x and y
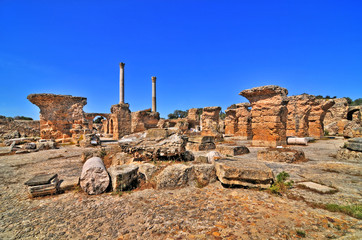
211, 212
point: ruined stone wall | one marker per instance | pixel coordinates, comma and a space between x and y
238, 120
210, 121
269, 114
337, 112
120, 121
299, 108
61, 116
26, 128
143, 120
193, 117
319, 108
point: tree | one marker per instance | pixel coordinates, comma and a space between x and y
349, 100
222, 115
357, 102
98, 119
177, 114
22, 118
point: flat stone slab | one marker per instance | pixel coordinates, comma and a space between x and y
232, 150
69, 184
244, 173
317, 187
41, 179
354, 144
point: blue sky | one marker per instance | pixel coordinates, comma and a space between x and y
202, 52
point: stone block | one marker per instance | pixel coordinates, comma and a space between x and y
232, 150
204, 174
124, 177
317, 187
244, 173
281, 155
175, 176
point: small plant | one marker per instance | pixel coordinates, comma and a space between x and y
300, 233
326, 133
281, 185
102, 153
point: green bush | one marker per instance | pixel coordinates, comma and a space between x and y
281, 185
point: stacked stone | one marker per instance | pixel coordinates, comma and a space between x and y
44, 184
143, 120
238, 120
318, 111
299, 108
61, 116
210, 121
121, 120
269, 114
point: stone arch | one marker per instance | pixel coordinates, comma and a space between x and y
351, 112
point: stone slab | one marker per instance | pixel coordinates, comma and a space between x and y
124, 177
245, 173
317, 187
232, 150
41, 179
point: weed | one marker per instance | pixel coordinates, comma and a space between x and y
281, 186
326, 133
352, 210
102, 153
301, 233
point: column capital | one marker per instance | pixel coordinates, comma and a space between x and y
153, 79
121, 65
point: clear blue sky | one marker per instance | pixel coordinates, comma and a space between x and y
202, 52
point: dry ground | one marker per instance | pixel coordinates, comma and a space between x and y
212, 212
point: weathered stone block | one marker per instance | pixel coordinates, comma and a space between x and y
232, 150
123, 177
175, 176
281, 155
355, 144
244, 173
204, 173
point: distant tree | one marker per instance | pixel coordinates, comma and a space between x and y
334, 97
98, 119
327, 97
349, 100
222, 115
177, 114
22, 118
319, 97
2, 117
357, 102
199, 111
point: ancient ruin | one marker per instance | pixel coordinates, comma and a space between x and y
269, 114
238, 120
210, 121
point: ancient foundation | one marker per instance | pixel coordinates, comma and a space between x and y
269, 114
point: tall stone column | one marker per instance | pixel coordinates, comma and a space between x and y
154, 94
121, 82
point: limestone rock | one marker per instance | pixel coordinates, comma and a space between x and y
147, 170
269, 114
316, 187
204, 173
281, 155
44, 144
351, 130
232, 150
94, 178
244, 173
346, 154
143, 120
337, 112
29, 146
120, 120
319, 108
210, 121
12, 134
354, 144
175, 176
61, 116
124, 177
191, 146
238, 120
121, 158
157, 133
212, 156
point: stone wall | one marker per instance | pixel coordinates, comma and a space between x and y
337, 112
193, 117
299, 108
210, 121
143, 120
269, 114
238, 120
319, 108
120, 120
26, 128
61, 116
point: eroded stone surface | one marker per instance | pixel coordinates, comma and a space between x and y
319, 108
238, 120
244, 173
124, 177
175, 176
281, 155
269, 114
143, 120
299, 108
210, 121
232, 150
61, 116
316, 187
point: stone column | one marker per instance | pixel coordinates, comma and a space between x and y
121, 82
269, 115
154, 94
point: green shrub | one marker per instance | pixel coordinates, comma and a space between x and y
281, 185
